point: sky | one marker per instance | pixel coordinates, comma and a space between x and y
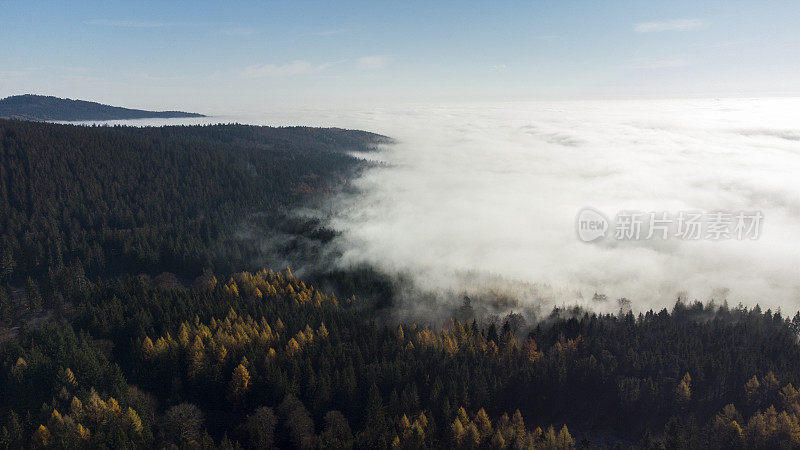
229, 57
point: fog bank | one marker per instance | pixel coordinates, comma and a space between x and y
484, 197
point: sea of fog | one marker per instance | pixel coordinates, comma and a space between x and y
477, 198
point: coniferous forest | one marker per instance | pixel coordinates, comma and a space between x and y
48, 108
146, 302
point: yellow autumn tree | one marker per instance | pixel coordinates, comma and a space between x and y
76, 408
41, 438
148, 349
457, 432
133, 420
240, 381
473, 437
183, 335
751, 388
322, 332
82, 432
531, 350
728, 432
789, 396
196, 357
403, 423
68, 377
498, 441
683, 392
564, 440
483, 423
292, 347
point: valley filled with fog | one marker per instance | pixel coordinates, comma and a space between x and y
477, 198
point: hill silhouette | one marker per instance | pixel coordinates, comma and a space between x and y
40, 107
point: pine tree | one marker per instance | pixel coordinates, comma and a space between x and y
33, 296
7, 263
6, 308
13, 431
374, 434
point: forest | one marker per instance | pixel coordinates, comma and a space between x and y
137, 310
48, 108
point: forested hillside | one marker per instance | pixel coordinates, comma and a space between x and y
113, 200
263, 359
41, 107
131, 316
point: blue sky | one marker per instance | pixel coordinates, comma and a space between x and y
230, 56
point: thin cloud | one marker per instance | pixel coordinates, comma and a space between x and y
128, 23
51, 69
150, 77
670, 25
326, 33
297, 67
660, 63
12, 73
372, 62
725, 44
72, 68
239, 31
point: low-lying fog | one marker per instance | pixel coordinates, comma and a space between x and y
473, 197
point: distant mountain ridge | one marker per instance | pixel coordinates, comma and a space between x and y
41, 107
